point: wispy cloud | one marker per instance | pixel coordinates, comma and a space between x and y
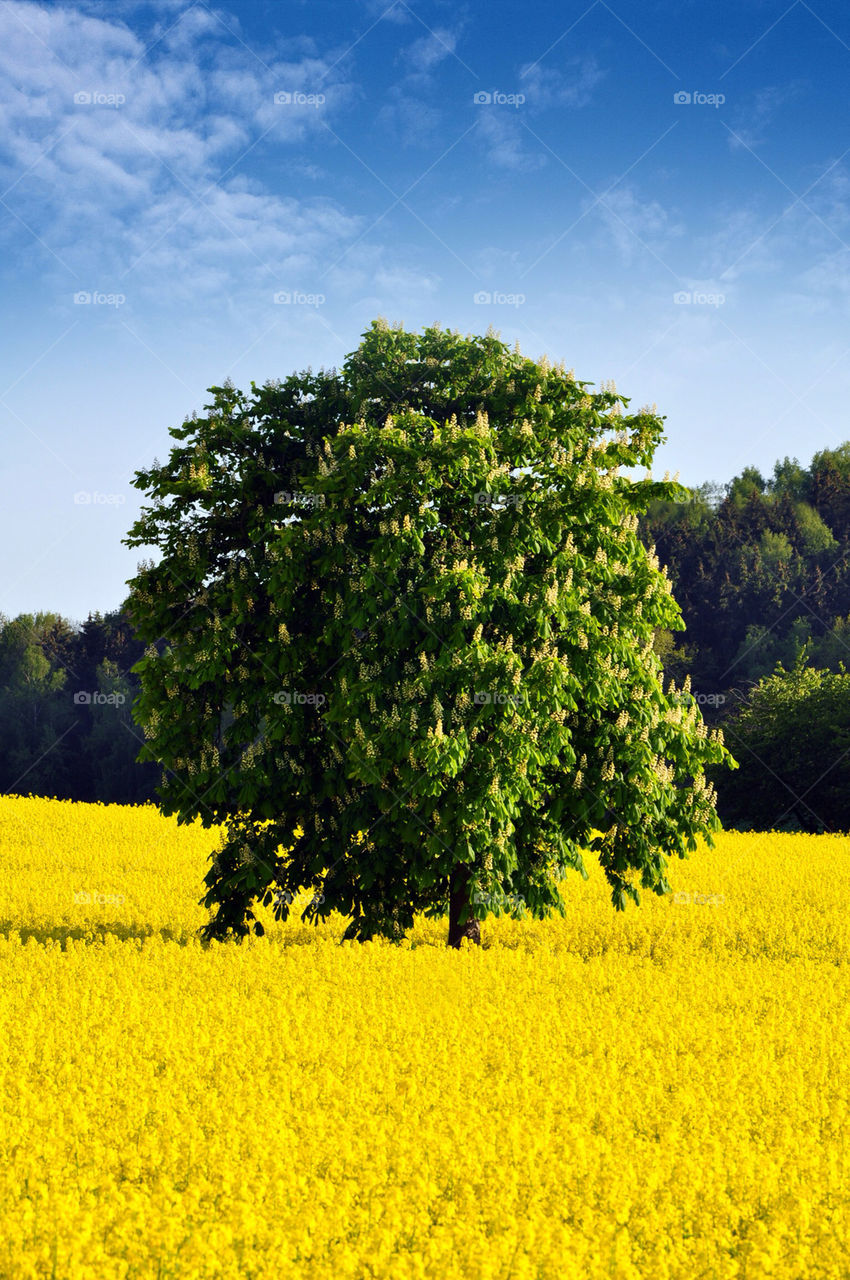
411, 112
426, 53
760, 239
637, 226
505, 142
570, 86
751, 121
145, 145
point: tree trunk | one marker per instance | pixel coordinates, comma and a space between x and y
458, 899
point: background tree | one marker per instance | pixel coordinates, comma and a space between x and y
36, 709
112, 742
792, 741
758, 572
65, 698
408, 636
829, 488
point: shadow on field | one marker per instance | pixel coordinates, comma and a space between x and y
60, 934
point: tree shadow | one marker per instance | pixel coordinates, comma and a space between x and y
95, 932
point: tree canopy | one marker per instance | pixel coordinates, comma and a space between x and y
407, 635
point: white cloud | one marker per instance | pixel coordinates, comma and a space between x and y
411, 119
429, 51
761, 240
146, 170
363, 270
400, 282
636, 226
395, 11
504, 140
498, 265
830, 198
130, 8
552, 87
410, 113
752, 118
818, 291
744, 241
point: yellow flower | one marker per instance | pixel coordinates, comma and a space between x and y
655, 1093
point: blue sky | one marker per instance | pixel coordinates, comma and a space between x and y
654, 192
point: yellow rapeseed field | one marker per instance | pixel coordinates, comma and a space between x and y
657, 1094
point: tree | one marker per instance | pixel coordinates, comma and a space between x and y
747, 485
763, 648
65, 697
830, 488
814, 535
833, 648
36, 708
789, 477
792, 739
106, 650
759, 574
408, 641
112, 742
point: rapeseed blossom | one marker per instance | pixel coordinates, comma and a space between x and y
659, 1093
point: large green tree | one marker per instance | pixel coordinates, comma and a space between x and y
400, 637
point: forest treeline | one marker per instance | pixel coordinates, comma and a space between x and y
761, 571
66, 693
760, 567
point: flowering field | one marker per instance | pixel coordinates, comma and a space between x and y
656, 1094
